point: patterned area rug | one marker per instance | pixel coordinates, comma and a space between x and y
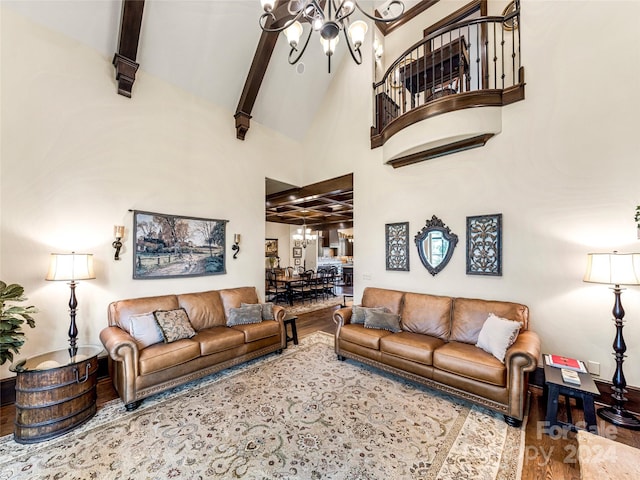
299, 415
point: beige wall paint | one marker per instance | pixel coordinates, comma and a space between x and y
75, 157
563, 173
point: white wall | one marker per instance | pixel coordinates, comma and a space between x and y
563, 173
75, 157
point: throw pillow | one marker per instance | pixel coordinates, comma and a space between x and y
267, 310
250, 313
358, 312
497, 335
382, 320
174, 324
145, 330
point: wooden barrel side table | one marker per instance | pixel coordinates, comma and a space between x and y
55, 392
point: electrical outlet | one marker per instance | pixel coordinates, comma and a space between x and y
593, 367
366, 276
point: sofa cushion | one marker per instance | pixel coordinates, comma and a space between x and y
249, 313
145, 330
365, 337
266, 310
427, 314
204, 309
218, 339
470, 314
471, 362
258, 331
174, 324
382, 320
381, 297
411, 346
357, 313
235, 297
165, 355
120, 311
497, 335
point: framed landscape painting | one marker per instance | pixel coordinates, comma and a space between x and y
170, 246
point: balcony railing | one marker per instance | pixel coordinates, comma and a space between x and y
471, 63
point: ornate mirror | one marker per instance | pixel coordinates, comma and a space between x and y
435, 244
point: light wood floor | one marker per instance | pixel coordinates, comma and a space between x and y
545, 457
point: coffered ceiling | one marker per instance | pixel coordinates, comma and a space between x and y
322, 206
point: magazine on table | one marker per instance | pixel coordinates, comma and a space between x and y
559, 361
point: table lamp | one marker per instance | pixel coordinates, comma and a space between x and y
71, 267
616, 269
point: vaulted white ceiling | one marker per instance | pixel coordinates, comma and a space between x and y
205, 47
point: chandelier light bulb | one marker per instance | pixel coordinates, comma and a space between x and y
329, 45
293, 33
357, 32
348, 6
267, 5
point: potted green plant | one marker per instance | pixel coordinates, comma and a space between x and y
11, 319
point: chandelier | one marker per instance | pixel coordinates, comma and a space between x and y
329, 21
304, 235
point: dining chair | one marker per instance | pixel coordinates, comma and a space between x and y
276, 290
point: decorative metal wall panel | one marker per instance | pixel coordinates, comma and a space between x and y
397, 246
484, 245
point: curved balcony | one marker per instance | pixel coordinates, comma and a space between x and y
472, 63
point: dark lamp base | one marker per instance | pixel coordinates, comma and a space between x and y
619, 417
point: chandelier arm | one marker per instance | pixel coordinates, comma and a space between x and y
353, 50
340, 18
304, 47
380, 19
287, 24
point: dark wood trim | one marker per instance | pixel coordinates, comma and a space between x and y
8, 385
449, 103
243, 122
124, 60
331, 186
459, 146
536, 379
386, 28
458, 16
7, 391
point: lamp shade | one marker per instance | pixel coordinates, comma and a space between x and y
70, 267
293, 33
329, 45
357, 31
613, 268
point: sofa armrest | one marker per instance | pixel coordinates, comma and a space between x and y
521, 357
342, 316
279, 313
121, 347
524, 353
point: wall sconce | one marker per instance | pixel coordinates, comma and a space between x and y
236, 245
118, 232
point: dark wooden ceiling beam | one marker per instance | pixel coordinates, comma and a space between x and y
252, 84
124, 60
387, 28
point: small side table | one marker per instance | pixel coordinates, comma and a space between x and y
55, 392
585, 392
290, 319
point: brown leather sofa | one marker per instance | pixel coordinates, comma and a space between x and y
436, 347
140, 373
